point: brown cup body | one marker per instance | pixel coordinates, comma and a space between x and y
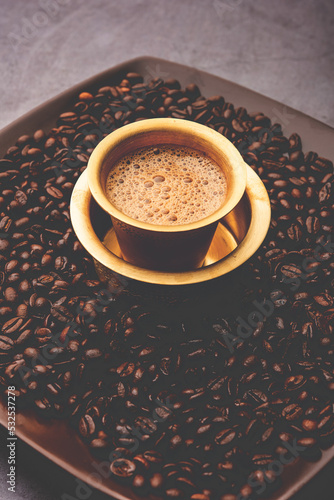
173, 252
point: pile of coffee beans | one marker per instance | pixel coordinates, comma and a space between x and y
209, 403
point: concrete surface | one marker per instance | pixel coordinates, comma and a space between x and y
283, 49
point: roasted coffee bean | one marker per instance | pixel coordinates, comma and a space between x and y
6, 343
309, 425
225, 437
138, 481
153, 456
324, 300
295, 143
93, 354
292, 412
43, 404
156, 481
12, 325
294, 382
4, 245
31, 352
174, 493
10, 294
86, 426
5, 310
24, 336
123, 468
41, 370
60, 312
5, 224
262, 460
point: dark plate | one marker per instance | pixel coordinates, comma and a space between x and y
55, 439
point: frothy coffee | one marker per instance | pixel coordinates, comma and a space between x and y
167, 184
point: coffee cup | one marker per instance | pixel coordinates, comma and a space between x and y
167, 246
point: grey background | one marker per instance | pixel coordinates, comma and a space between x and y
283, 49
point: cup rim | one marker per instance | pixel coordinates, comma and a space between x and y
125, 133
258, 228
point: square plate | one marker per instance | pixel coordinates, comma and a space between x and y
55, 438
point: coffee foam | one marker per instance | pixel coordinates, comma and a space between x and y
166, 185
